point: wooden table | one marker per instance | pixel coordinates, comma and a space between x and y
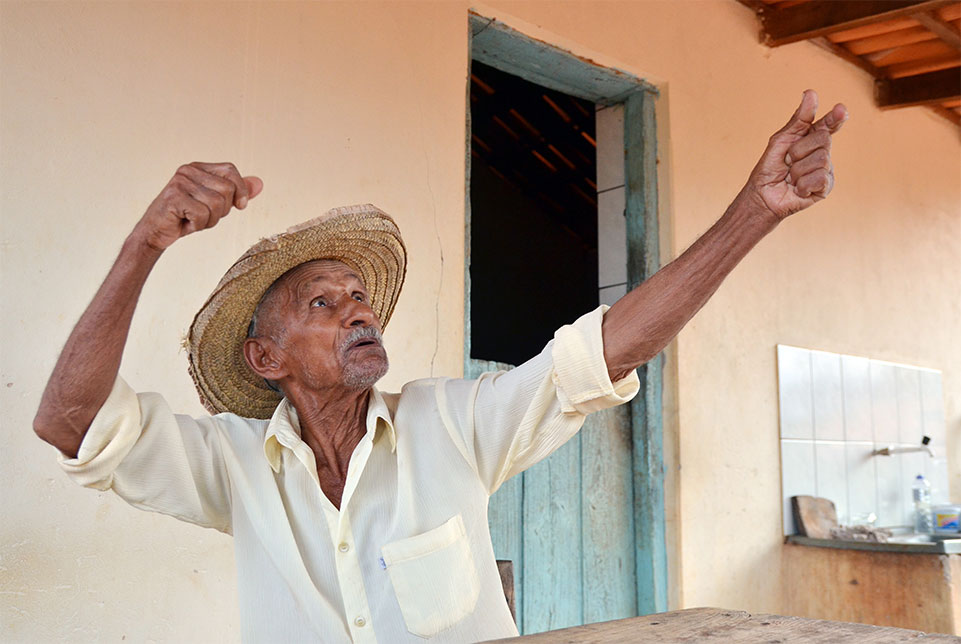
719, 625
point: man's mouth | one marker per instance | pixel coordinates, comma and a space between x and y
362, 337
363, 342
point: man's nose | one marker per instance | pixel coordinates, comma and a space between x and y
358, 314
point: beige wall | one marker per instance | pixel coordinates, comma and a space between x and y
344, 103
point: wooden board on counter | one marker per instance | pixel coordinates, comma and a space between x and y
719, 625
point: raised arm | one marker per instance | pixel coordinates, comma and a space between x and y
794, 172
196, 198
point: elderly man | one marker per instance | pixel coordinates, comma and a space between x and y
359, 515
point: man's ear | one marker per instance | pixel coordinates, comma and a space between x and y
265, 358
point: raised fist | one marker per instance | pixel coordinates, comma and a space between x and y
196, 198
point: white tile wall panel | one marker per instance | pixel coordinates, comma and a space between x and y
937, 473
861, 482
856, 385
794, 392
933, 425
879, 404
831, 476
610, 136
909, 405
884, 403
826, 395
932, 406
797, 476
890, 485
611, 238
611, 294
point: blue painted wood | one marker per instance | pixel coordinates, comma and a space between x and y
504, 515
643, 257
505, 509
497, 45
552, 542
607, 516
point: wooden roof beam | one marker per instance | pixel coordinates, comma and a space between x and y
944, 31
944, 112
842, 52
924, 89
822, 17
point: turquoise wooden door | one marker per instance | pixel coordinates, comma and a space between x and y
585, 527
567, 524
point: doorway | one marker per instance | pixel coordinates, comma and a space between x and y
585, 527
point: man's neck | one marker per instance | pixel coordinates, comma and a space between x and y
332, 424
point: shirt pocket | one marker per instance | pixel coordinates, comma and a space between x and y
434, 577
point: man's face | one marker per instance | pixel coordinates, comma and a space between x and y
320, 324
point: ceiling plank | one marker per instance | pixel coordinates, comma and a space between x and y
914, 53
876, 29
944, 31
822, 17
915, 67
924, 89
881, 42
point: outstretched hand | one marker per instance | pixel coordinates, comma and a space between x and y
795, 170
196, 198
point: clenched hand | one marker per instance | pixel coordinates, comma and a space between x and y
196, 198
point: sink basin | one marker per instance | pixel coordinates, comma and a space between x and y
924, 538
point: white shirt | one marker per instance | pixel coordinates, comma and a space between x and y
408, 555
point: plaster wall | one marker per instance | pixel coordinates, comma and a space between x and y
364, 102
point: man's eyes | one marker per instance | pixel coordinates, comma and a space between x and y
322, 301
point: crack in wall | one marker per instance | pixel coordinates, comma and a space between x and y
440, 279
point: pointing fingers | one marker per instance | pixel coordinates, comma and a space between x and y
803, 116
833, 120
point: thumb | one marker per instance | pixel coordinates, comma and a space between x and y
254, 186
800, 122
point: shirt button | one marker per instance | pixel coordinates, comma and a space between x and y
343, 547
360, 622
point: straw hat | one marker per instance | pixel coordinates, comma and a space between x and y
363, 237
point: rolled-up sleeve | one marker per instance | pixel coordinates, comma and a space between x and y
506, 422
154, 459
580, 372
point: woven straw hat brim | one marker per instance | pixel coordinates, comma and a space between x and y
363, 237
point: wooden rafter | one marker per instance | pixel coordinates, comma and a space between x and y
944, 112
822, 17
843, 52
944, 31
924, 89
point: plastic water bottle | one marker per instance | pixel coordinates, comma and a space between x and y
921, 492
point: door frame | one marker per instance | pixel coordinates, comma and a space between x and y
496, 44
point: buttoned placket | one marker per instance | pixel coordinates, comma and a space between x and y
346, 556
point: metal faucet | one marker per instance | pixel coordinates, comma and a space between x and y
893, 449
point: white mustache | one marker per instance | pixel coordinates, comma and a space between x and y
361, 333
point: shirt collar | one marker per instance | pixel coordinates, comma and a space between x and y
283, 430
